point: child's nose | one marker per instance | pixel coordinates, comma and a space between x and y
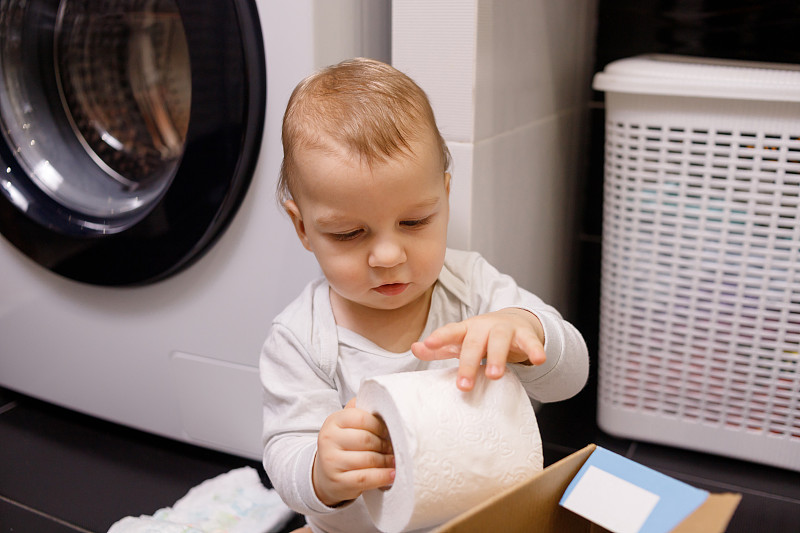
386, 253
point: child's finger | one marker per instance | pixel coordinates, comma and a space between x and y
423, 352
497, 348
360, 440
369, 478
530, 345
349, 474
450, 334
347, 461
352, 417
473, 350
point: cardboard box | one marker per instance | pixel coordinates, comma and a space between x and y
533, 505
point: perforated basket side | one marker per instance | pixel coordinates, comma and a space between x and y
700, 288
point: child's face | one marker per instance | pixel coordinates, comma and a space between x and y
379, 234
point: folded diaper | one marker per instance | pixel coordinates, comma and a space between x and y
234, 502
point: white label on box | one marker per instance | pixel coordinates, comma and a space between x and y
610, 501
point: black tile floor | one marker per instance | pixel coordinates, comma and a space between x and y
64, 472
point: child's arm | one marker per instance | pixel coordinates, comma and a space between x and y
510, 335
505, 323
316, 453
354, 454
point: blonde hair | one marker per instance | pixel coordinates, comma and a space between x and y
369, 107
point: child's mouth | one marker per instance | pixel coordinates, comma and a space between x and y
391, 289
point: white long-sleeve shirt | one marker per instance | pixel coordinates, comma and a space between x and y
311, 368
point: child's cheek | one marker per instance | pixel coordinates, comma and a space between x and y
345, 274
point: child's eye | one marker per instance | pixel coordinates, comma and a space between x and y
347, 236
416, 223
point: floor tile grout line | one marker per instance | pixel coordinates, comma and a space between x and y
632, 450
727, 485
8, 406
44, 515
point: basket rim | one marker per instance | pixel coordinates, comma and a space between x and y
675, 75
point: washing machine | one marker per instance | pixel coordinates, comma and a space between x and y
143, 255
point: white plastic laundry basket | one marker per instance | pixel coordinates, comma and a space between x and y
700, 305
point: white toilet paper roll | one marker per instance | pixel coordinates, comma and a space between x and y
452, 449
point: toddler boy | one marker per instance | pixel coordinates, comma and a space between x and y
365, 182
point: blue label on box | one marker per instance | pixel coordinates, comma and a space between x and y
626, 497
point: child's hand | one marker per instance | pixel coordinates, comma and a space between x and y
354, 454
510, 335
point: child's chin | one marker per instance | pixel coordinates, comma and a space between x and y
389, 303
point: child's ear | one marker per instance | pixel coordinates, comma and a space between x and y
297, 219
447, 182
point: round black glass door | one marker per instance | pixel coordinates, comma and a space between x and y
130, 131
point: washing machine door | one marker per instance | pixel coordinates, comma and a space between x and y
130, 130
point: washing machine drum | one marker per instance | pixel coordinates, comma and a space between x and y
130, 130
